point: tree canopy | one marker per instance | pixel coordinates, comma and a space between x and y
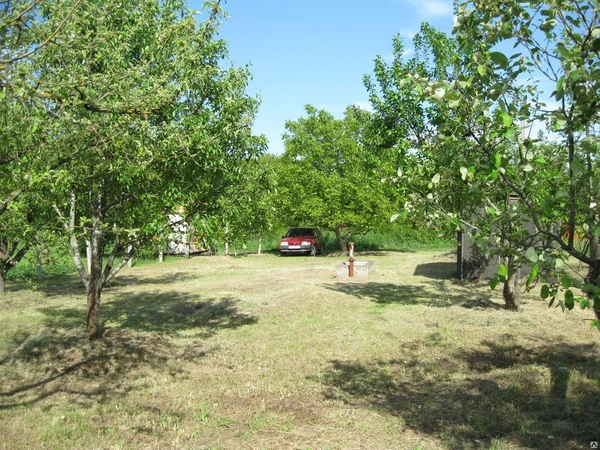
139, 115
485, 114
331, 174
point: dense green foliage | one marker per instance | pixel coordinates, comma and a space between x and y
482, 152
137, 117
331, 174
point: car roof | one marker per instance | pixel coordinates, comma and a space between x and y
302, 231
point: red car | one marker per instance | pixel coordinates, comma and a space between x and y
302, 240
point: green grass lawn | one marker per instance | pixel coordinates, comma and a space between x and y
266, 352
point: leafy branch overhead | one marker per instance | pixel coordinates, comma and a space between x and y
511, 152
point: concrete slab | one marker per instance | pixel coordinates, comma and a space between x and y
362, 268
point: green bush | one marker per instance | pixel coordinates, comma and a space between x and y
56, 263
399, 236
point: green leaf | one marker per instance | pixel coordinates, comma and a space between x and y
497, 160
464, 172
482, 70
569, 299
506, 118
493, 283
565, 282
548, 25
545, 292
533, 274
532, 255
436, 178
547, 207
584, 303
502, 270
589, 288
500, 59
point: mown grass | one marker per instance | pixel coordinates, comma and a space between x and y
267, 352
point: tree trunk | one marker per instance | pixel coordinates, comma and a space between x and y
259, 244
593, 277
38, 258
2, 281
88, 254
96, 278
9, 259
512, 291
93, 313
340, 238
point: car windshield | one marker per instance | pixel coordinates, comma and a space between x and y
295, 232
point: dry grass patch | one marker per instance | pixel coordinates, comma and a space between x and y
268, 352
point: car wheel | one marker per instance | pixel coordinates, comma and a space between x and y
313, 251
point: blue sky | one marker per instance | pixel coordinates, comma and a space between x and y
316, 52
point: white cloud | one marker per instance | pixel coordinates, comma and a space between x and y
437, 7
364, 105
431, 8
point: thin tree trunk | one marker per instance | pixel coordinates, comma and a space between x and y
88, 254
259, 244
96, 278
9, 259
69, 226
38, 258
2, 281
340, 238
593, 277
512, 291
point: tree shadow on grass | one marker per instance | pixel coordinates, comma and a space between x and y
122, 280
174, 312
168, 313
71, 284
55, 361
431, 294
544, 396
58, 358
51, 285
436, 270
